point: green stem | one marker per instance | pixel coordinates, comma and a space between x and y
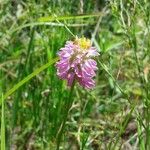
64, 26
68, 106
2, 125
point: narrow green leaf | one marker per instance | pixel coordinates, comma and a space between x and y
32, 24
29, 77
53, 18
2, 125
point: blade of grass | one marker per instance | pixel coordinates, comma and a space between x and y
2, 125
45, 24
140, 136
29, 77
53, 18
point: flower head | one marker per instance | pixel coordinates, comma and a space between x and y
77, 63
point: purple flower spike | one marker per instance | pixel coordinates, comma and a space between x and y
77, 63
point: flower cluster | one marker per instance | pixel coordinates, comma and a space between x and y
77, 63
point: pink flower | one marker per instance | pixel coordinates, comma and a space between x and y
77, 63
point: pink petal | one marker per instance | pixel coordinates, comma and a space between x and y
70, 78
78, 72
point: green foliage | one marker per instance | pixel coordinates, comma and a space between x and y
114, 115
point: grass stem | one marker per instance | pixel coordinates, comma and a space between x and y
69, 103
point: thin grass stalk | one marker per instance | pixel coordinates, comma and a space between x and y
69, 103
64, 26
2, 125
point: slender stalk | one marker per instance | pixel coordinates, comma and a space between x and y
69, 103
2, 126
64, 26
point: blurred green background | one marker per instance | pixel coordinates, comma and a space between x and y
115, 114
